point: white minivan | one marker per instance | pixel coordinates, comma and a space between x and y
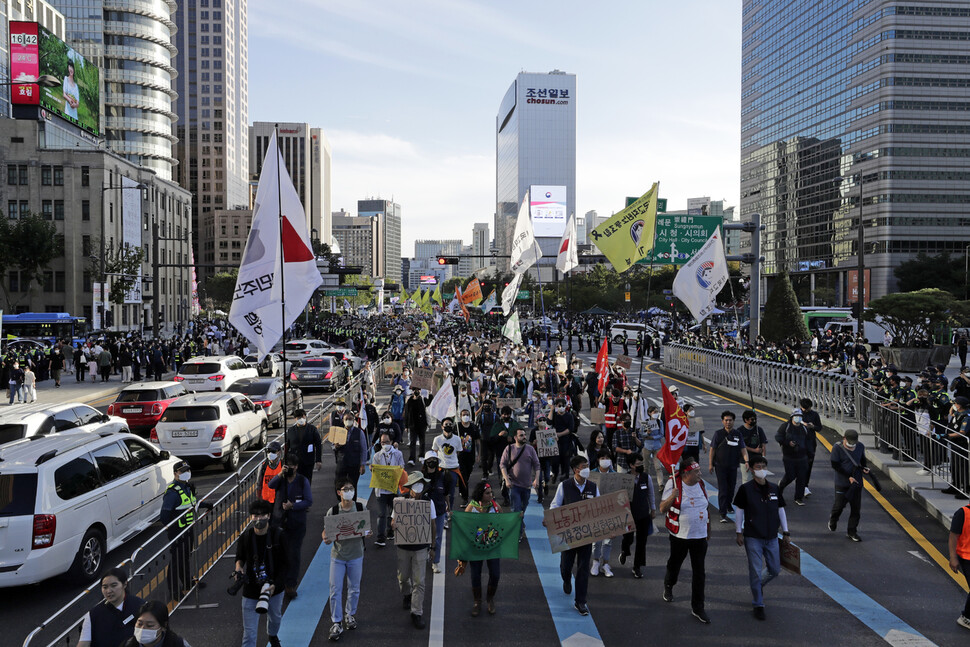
66, 500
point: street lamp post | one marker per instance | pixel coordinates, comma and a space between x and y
862, 244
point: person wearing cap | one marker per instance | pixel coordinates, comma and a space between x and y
958, 436
755, 440
271, 467
759, 511
849, 462
440, 483
303, 439
179, 504
813, 423
412, 559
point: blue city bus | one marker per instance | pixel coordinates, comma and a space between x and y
44, 326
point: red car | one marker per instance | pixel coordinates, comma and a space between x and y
143, 403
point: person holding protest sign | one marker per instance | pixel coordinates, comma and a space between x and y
412, 559
571, 490
483, 501
346, 563
387, 456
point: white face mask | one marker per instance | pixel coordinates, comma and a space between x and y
463, 392
849, 446
690, 414
272, 457
185, 476
466, 418
386, 421
145, 636
655, 416
386, 448
605, 463
560, 409
348, 496
761, 474
584, 473
301, 421
418, 488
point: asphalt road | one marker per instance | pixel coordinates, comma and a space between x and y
883, 590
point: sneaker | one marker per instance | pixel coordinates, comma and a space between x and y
335, 632
417, 621
582, 608
668, 593
964, 622
407, 601
274, 641
700, 615
567, 586
808, 492
949, 490
799, 502
724, 519
959, 496
435, 568
607, 571
380, 542
923, 472
350, 622
833, 525
594, 570
854, 536
637, 573
623, 556
759, 613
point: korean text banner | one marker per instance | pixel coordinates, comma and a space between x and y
628, 236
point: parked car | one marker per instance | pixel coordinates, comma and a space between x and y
69, 499
271, 366
143, 403
267, 392
211, 428
302, 348
43, 419
213, 373
320, 372
629, 330
351, 360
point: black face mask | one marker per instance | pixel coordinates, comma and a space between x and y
639, 469
289, 471
261, 524
448, 429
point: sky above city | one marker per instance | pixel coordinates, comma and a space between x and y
408, 92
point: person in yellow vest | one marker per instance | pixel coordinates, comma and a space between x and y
960, 554
179, 506
271, 467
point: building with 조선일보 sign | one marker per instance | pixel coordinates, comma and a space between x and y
535, 147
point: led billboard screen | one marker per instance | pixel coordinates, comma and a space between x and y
24, 57
547, 204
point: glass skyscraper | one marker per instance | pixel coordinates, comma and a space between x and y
535, 144
849, 106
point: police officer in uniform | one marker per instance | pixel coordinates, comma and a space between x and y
180, 503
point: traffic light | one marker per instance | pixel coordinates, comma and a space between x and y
447, 260
109, 318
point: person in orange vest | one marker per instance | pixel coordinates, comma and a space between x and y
271, 467
960, 554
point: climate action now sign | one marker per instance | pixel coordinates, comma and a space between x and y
679, 237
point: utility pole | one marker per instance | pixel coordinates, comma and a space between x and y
755, 259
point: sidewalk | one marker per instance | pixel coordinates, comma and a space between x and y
923, 489
91, 390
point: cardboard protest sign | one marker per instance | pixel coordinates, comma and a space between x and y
338, 435
475, 349
393, 368
513, 403
791, 558
494, 346
624, 362
347, 525
385, 477
422, 378
588, 521
597, 416
546, 443
412, 522
613, 482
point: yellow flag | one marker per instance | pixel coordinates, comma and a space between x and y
437, 295
385, 477
628, 236
424, 330
416, 297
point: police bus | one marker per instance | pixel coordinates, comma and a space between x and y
44, 326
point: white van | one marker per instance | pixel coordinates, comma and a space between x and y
70, 499
871, 330
629, 330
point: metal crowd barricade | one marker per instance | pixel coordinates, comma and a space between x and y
784, 384
167, 569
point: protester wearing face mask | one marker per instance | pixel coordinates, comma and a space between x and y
111, 621
626, 443
412, 559
179, 504
261, 562
151, 628
470, 437
849, 462
447, 445
695, 443
294, 496
684, 502
604, 548
415, 424
388, 454
388, 426
352, 454
346, 564
571, 490
759, 511
271, 467
643, 508
303, 439
502, 433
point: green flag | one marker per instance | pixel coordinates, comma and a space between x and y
484, 536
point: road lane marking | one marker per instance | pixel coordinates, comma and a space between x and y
436, 635
878, 618
924, 543
572, 628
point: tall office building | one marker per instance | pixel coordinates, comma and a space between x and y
357, 240
430, 249
535, 145
133, 43
481, 245
307, 157
388, 252
28, 10
855, 108
212, 107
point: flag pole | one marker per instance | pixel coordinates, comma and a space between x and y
279, 199
737, 342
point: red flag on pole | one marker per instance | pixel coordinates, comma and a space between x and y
676, 426
603, 367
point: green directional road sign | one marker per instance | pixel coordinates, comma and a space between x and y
339, 292
523, 294
661, 204
679, 237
